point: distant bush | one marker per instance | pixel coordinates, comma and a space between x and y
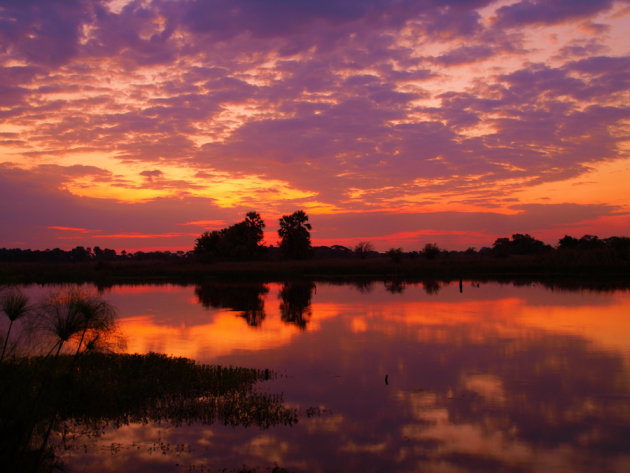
431, 251
395, 254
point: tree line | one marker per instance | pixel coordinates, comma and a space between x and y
243, 241
81, 254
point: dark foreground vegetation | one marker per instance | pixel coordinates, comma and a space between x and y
47, 403
65, 384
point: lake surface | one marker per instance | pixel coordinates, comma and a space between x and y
387, 377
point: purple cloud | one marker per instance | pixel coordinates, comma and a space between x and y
43, 32
527, 12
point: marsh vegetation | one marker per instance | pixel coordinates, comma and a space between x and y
62, 380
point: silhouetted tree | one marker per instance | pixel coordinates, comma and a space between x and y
431, 251
98, 253
621, 245
208, 246
241, 241
590, 242
501, 247
80, 254
363, 249
295, 234
568, 242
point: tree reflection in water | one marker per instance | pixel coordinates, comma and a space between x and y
295, 307
364, 286
431, 286
246, 298
395, 286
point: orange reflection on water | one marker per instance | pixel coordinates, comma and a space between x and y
225, 334
607, 326
600, 319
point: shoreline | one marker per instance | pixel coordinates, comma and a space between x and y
512, 268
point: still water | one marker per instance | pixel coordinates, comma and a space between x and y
387, 377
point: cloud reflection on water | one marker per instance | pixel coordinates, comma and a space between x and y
499, 378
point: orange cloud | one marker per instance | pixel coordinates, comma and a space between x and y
205, 223
73, 229
146, 235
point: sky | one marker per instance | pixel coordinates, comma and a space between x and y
140, 124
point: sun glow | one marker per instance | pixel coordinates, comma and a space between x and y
604, 183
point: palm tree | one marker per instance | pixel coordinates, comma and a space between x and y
14, 305
295, 234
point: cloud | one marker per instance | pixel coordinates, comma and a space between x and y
73, 229
466, 54
412, 229
527, 12
151, 175
264, 19
206, 223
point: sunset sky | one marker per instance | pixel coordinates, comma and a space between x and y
140, 124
